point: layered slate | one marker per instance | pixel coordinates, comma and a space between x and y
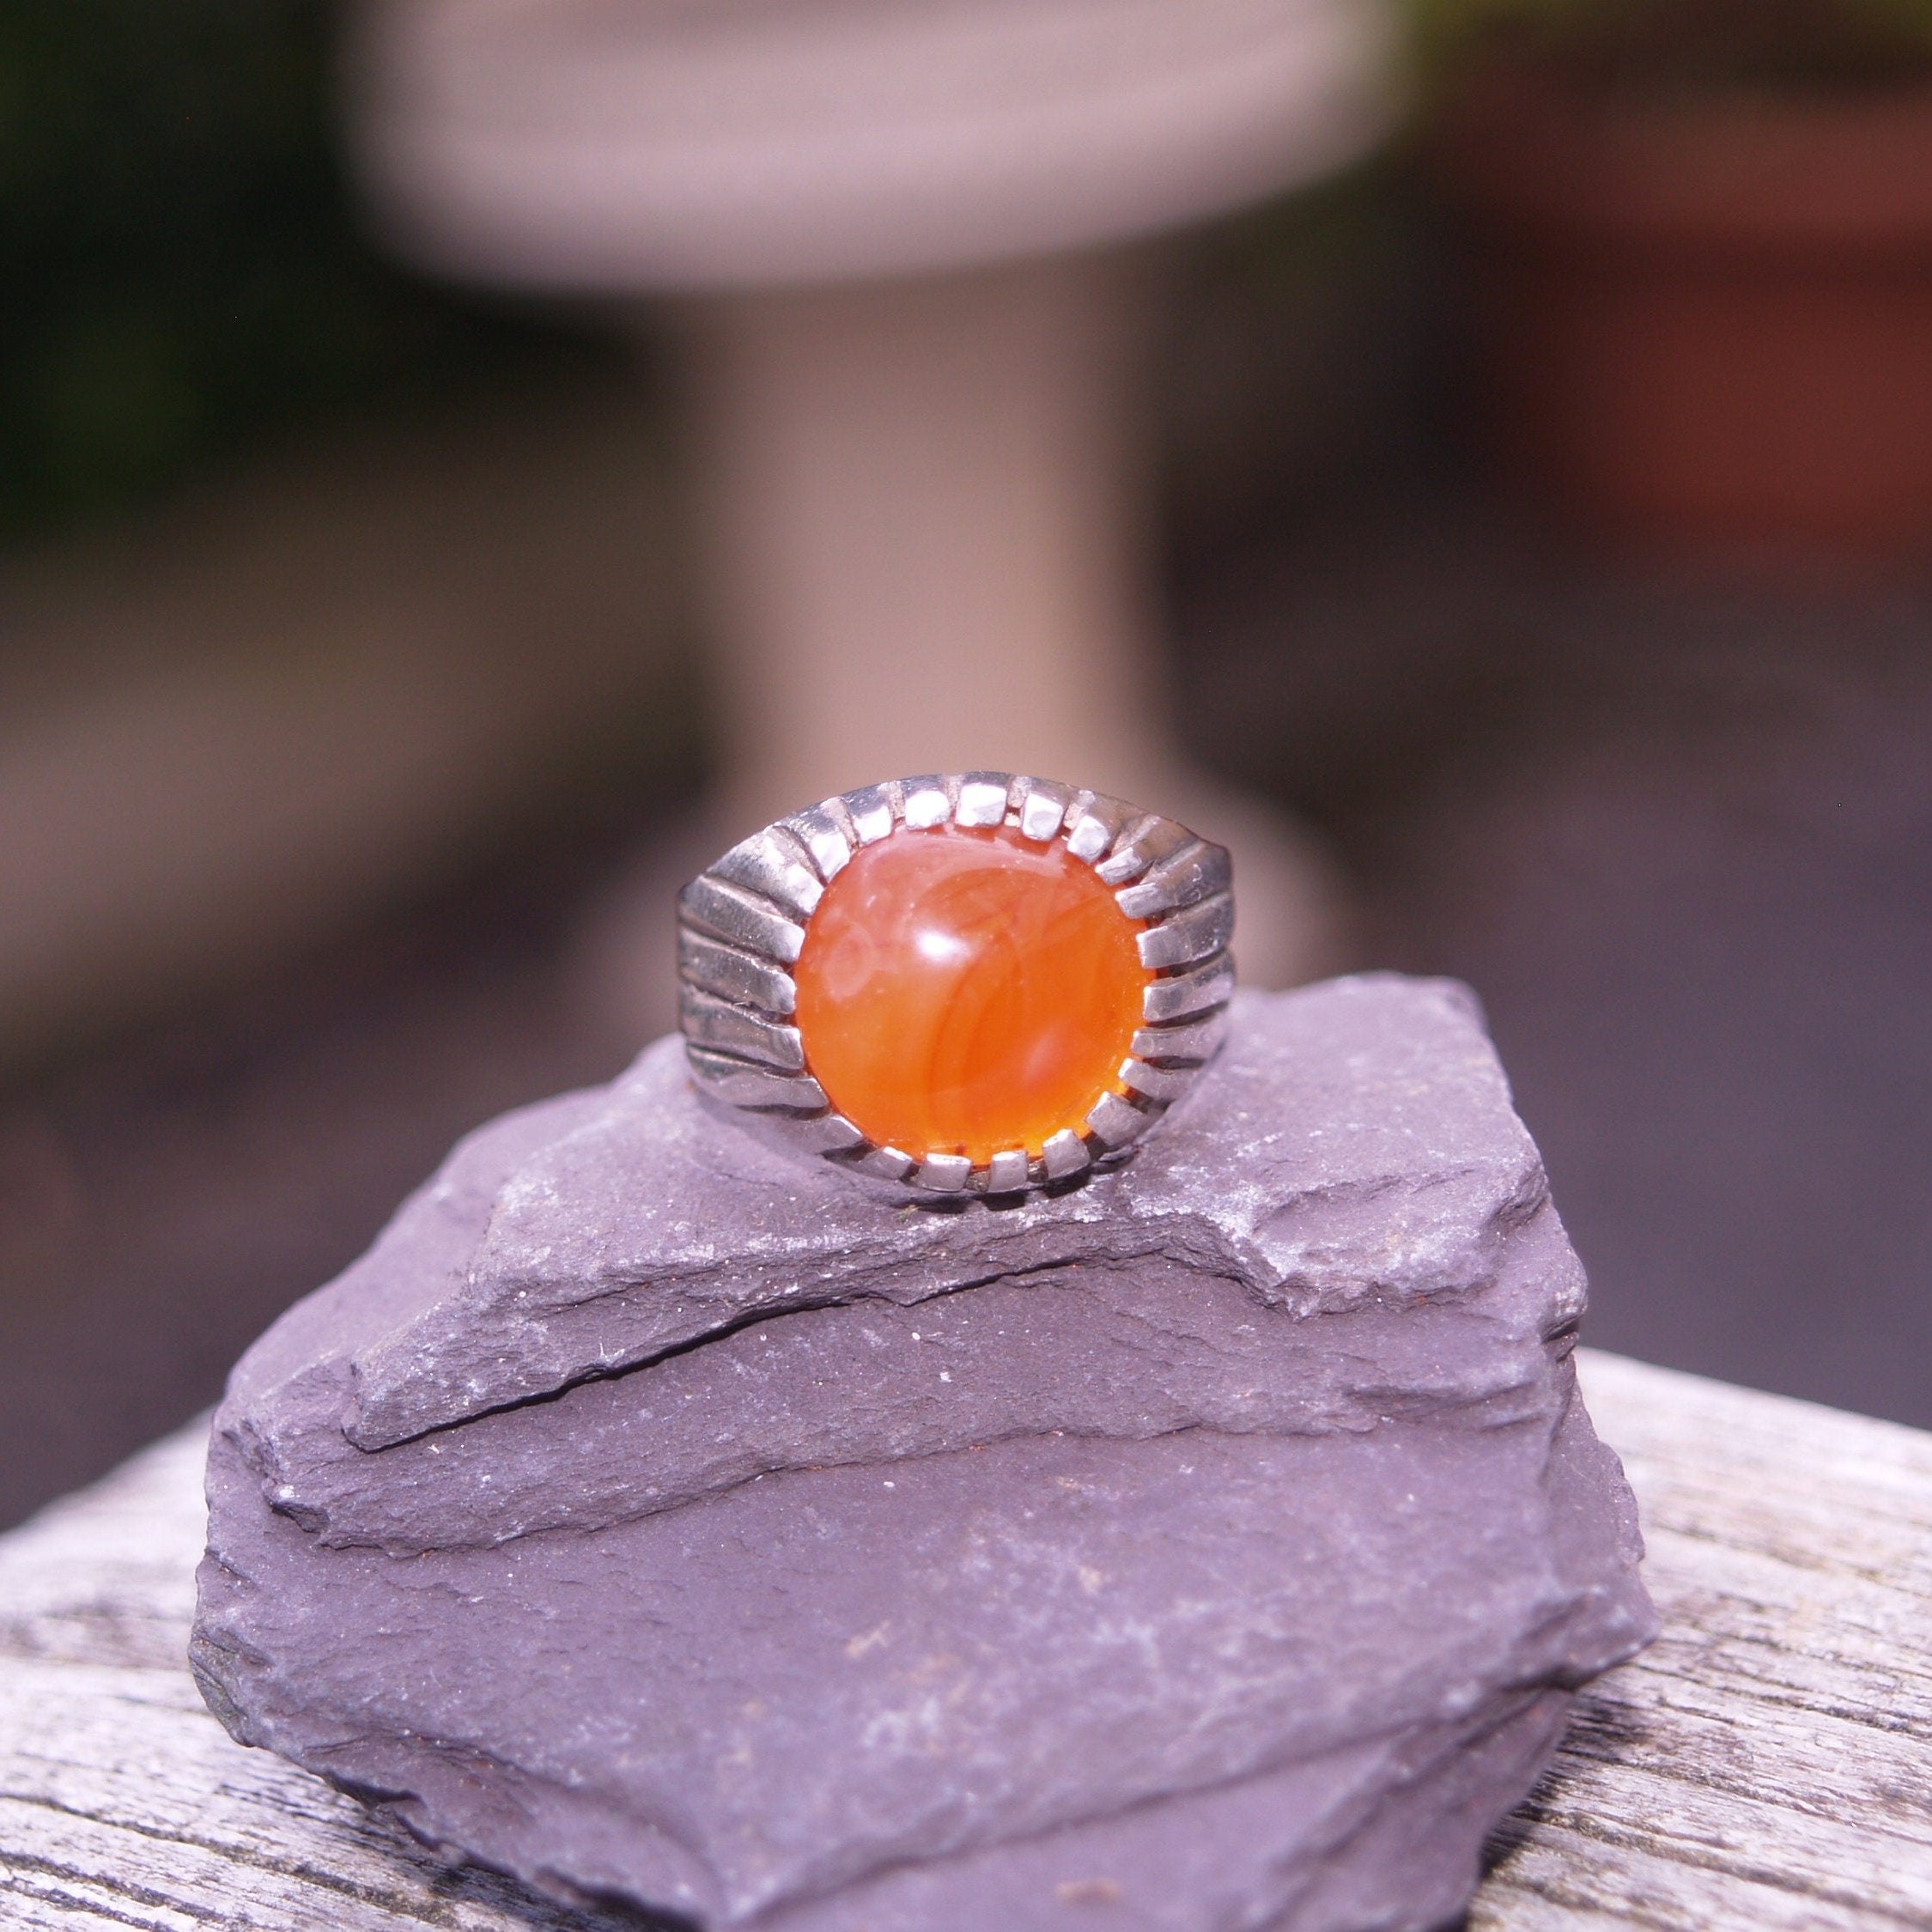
653, 1515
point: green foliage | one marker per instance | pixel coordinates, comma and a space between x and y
1691, 44
181, 268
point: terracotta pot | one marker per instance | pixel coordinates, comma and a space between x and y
1707, 323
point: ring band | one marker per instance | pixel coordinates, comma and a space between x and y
1102, 928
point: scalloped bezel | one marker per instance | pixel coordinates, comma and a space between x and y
741, 923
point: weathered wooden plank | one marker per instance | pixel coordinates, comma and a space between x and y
1766, 1765
1768, 1762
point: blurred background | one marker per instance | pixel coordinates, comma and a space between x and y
455, 461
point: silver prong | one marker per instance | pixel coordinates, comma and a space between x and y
1194, 872
982, 799
873, 810
1043, 806
772, 864
742, 917
744, 922
741, 1031
1114, 1122
926, 803
1196, 933
825, 832
745, 1084
1156, 1083
1006, 1174
945, 1174
1066, 1154
734, 975
824, 1134
1145, 843
1094, 821
1201, 991
1189, 1043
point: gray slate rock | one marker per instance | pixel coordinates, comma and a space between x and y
1217, 1545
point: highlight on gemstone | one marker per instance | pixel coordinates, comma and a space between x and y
967, 990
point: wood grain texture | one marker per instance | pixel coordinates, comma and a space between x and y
1766, 1765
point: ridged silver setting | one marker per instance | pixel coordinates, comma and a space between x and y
742, 924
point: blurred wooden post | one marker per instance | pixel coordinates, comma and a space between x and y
929, 532
899, 232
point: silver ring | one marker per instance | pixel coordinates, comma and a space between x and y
745, 923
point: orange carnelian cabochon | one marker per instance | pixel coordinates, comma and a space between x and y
967, 992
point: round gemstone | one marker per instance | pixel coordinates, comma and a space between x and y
967, 991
